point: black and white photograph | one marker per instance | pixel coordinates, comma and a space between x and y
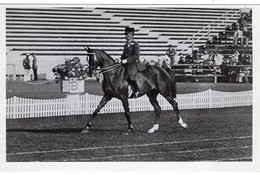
130, 83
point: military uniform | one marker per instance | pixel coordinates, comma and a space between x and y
131, 54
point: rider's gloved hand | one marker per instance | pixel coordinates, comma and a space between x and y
124, 61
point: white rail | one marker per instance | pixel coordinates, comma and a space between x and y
85, 104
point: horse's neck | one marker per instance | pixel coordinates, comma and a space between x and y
107, 61
111, 72
107, 64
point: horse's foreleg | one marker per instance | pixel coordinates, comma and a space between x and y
157, 109
176, 109
127, 115
102, 103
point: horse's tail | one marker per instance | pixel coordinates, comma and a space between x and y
172, 81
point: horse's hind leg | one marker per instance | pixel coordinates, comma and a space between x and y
102, 103
127, 114
157, 109
174, 104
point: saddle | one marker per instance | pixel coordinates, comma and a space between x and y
132, 87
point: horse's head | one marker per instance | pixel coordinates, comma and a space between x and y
92, 60
97, 58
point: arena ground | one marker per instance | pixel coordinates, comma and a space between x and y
213, 134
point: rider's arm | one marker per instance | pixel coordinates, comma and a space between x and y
123, 56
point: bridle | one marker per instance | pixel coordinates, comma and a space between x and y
105, 69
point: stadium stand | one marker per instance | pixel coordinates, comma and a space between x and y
56, 34
236, 58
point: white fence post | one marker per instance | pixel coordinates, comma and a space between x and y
210, 98
86, 104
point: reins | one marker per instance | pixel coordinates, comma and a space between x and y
109, 68
106, 69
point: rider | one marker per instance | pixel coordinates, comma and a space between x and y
130, 57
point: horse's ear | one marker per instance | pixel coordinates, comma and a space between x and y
87, 49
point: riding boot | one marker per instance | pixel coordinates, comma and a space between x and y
135, 89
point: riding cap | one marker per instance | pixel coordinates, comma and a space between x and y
129, 30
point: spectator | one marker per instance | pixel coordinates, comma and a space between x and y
234, 26
242, 75
211, 58
218, 60
243, 20
171, 53
241, 57
34, 67
247, 73
27, 68
205, 56
233, 72
246, 11
189, 58
246, 35
238, 36
234, 58
181, 59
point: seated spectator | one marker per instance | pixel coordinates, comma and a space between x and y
189, 58
246, 35
211, 59
205, 56
218, 59
208, 58
250, 14
243, 20
234, 58
241, 57
246, 11
182, 59
242, 75
247, 73
238, 36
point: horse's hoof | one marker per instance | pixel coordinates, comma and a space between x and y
184, 125
128, 132
150, 131
153, 129
85, 131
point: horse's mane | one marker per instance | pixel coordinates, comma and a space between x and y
104, 53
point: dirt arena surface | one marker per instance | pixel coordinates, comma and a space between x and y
213, 135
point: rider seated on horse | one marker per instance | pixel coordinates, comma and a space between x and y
130, 58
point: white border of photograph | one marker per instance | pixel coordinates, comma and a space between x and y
159, 167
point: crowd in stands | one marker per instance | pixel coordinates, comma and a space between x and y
226, 60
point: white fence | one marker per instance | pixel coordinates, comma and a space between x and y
85, 104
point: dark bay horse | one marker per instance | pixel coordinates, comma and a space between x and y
152, 81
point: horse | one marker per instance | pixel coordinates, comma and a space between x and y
152, 81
